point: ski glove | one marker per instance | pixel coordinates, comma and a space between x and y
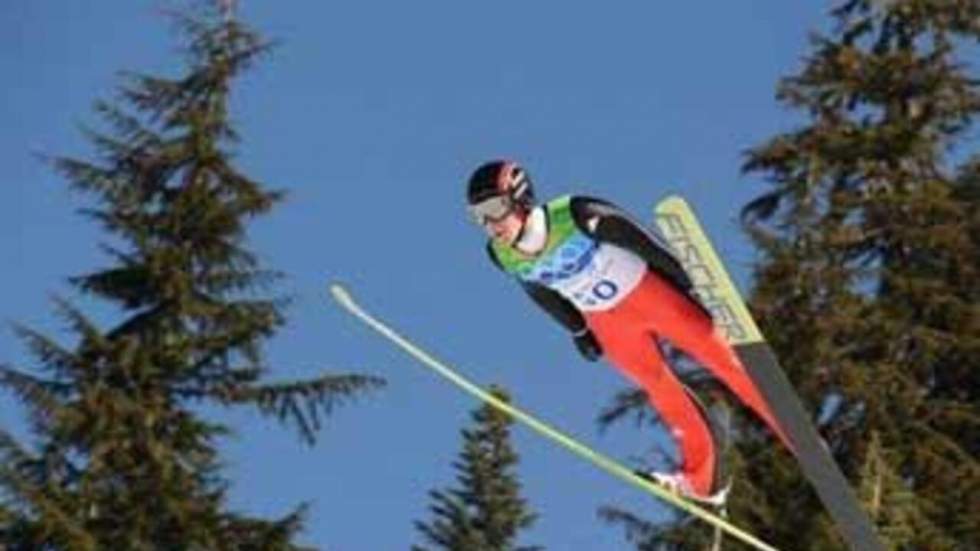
587, 345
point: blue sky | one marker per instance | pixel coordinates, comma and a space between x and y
371, 114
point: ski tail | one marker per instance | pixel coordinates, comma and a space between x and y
344, 298
719, 295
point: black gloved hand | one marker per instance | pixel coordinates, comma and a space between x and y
587, 345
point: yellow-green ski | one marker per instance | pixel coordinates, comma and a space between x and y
605, 463
714, 287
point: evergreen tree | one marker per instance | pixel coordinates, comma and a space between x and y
121, 459
866, 287
869, 241
486, 511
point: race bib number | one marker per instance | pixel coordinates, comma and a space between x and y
607, 280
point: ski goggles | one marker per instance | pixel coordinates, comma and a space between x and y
491, 210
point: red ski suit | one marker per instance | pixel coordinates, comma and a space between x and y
654, 300
627, 334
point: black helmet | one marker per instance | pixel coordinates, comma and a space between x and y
501, 178
497, 189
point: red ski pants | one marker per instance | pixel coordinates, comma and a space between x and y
626, 332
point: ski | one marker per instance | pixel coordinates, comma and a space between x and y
344, 298
680, 227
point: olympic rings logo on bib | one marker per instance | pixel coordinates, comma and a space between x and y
591, 275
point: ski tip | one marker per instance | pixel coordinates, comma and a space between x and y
340, 294
672, 201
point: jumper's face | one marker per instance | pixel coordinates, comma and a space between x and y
499, 217
507, 229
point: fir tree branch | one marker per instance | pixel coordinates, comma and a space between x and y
129, 285
129, 127
51, 354
43, 398
80, 324
246, 534
40, 497
300, 403
650, 536
627, 402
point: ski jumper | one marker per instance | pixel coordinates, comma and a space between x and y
601, 272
